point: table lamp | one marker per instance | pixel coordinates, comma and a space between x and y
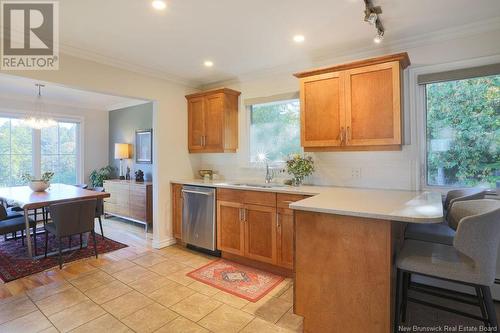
121, 153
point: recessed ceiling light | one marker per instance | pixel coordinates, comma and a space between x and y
208, 63
299, 38
159, 4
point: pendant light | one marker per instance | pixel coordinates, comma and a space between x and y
38, 120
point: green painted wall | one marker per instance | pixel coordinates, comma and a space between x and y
122, 126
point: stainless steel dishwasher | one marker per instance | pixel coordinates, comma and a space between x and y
198, 218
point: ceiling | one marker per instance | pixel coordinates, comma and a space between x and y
243, 37
13, 87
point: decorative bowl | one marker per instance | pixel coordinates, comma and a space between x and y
204, 172
38, 185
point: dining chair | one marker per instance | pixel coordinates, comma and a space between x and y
470, 261
443, 233
99, 210
9, 224
71, 218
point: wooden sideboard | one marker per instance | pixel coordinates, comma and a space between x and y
130, 200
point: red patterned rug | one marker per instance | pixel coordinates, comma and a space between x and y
242, 281
15, 263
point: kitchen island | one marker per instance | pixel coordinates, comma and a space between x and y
345, 242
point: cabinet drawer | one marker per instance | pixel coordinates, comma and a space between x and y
247, 197
283, 200
113, 208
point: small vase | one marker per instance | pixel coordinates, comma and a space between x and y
297, 181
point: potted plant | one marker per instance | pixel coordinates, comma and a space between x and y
299, 167
97, 177
38, 185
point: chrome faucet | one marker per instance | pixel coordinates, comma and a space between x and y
269, 174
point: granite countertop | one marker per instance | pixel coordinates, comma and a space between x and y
394, 205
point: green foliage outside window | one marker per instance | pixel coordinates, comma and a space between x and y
463, 132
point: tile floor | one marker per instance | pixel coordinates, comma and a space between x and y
140, 289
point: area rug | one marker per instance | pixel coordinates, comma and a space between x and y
242, 281
15, 263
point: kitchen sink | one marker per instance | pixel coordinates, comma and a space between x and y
259, 185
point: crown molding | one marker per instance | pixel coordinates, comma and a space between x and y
121, 64
334, 55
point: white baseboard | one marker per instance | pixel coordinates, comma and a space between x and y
159, 244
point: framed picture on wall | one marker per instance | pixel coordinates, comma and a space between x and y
144, 146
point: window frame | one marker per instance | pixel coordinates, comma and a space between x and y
418, 111
36, 140
248, 125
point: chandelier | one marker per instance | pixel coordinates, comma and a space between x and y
37, 120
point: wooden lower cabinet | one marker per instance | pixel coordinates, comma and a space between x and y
260, 233
177, 206
284, 237
230, 227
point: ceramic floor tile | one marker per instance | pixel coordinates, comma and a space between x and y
167, 267
197, 262
150, 318
269, 309
281, 288
131, 274
181, 277
74, 270
107, 292
234, 301
92, 280
195, 306
171, 294
11, 299
51, 329
183, 325
126, 304
150, 283
76, 315
48, 290
203, 288
117, 266
226, 319
287, 295
32, 322
106, 323
60, 301
291, 321
16, 309
261, 326
149, 260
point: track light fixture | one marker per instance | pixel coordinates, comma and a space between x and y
372, 16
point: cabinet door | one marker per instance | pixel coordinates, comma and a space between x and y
137, 199
230, 227
214, 123
260, 233
177, 203
322, 110
196, 123
284, 225
373, 111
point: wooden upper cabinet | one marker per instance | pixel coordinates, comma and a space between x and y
354, 106
322, 110
373, 109
213, 121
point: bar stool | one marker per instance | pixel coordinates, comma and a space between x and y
470, 261
443, 233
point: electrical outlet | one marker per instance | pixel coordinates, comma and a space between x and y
356, 173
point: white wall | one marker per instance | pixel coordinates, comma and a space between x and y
94, 124
171, 158
398, 170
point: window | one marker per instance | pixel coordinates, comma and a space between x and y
16, 151
274, 130
24, 150
463, 132
59, 152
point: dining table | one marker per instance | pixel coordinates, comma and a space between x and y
28, 199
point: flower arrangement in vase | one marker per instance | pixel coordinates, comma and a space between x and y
38, 185
299, 166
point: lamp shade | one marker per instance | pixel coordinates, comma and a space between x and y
121, 151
